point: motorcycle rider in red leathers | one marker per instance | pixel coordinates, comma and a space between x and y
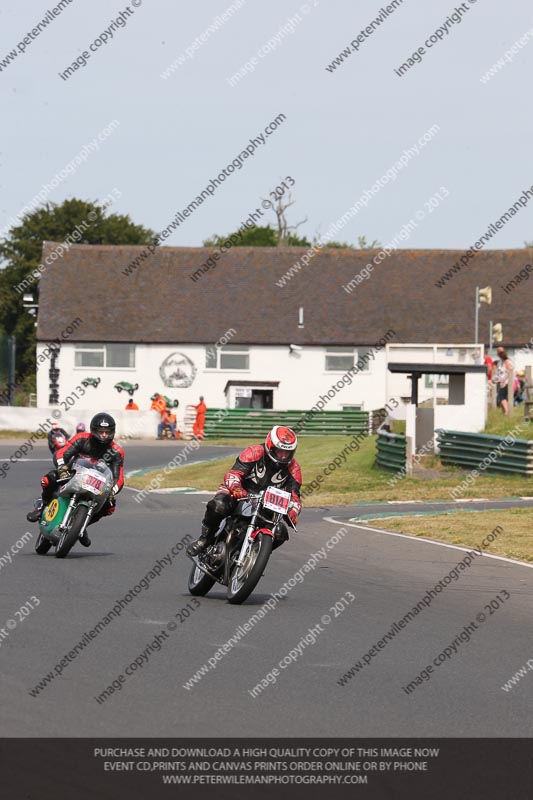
97, 444
258, 466
57, 438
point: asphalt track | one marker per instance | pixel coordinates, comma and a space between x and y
387, 574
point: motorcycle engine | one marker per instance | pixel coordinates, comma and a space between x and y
217, 554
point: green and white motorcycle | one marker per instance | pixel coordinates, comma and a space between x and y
65, 518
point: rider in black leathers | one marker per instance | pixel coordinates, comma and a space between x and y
97, 444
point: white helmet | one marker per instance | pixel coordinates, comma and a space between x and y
281, 444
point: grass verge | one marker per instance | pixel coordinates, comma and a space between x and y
22, 435
469, 528
355, 480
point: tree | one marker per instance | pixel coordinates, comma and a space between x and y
284, 235
250, 237
364, 245
361, 242
21, 252
258, 236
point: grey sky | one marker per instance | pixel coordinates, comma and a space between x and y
343, 130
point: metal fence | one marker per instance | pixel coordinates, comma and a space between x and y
485, 452
391, 451
255, 423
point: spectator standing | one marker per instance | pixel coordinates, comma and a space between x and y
199, 423
519, 387
131, 406
489, 364
503, 370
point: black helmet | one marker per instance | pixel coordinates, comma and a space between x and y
103, 428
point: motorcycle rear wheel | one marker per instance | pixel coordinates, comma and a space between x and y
243, 580
199, 582
69, 537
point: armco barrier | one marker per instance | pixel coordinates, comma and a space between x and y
255, 423
391, 451
486, 452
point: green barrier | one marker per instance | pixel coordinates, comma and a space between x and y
391, 451
486, 452
255, 423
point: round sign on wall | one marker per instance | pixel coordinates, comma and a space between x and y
177, 371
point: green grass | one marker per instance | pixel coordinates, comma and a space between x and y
469, 528
22, 435
500, 425
357, 479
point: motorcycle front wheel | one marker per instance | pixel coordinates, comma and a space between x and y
244, 579
69, 537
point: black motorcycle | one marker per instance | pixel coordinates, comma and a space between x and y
238, 556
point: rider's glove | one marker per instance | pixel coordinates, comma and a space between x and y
238, 492
294, 509
63, 474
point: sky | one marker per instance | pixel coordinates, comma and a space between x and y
343, 130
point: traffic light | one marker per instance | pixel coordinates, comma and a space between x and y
485, 295
497, 332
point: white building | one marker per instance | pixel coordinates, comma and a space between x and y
234, 335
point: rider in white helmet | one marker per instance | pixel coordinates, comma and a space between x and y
258, 466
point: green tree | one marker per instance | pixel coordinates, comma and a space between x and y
258, 236
362, 244
20, 254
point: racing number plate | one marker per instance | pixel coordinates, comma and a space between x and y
276, 500
93, 484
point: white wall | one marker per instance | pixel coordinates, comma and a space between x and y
400, 386
129, 423
470, 417
302, 379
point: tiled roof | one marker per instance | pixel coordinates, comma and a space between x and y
159, 303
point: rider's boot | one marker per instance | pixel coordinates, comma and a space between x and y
206, 538
35, 515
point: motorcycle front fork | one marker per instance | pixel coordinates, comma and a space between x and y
87, 520
248, 541
68, 514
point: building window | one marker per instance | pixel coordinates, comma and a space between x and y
105, 356
229, 356
120, 356
342, 359
211, 357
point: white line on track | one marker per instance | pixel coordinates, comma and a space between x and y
427, 541
29, 459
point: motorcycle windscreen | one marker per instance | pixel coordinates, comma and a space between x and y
53, 514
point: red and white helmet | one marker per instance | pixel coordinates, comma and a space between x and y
281, 444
